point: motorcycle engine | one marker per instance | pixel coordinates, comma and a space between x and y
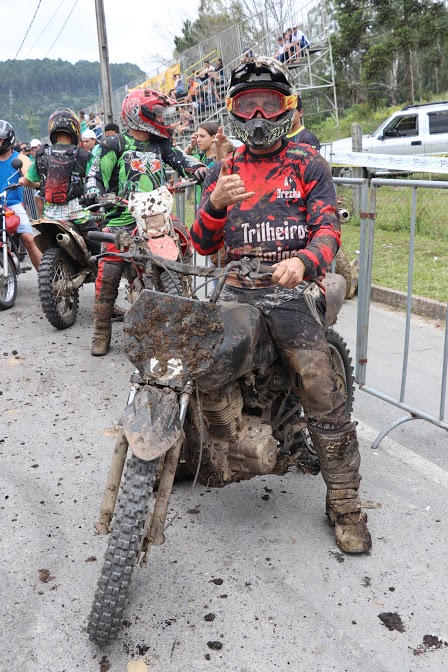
251, 449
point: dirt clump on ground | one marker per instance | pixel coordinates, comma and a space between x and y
392, 621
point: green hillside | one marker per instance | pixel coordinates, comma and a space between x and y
31, 89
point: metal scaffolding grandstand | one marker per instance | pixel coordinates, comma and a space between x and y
313, 73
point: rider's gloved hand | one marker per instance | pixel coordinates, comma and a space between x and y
200, 174
90, 198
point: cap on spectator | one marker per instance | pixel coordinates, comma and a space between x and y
35, 143
88, 135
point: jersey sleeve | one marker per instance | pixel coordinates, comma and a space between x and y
324, 237
32, 174
182, 163
207, 232
101, 169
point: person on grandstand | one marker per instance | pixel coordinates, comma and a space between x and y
10, 175
275, 201
299, 134
132, 161
59, 170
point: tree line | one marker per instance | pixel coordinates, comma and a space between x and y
30, 90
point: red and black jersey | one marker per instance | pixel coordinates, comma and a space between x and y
293, 212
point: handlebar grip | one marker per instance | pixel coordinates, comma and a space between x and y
101, 237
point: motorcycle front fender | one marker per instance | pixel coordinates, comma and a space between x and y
151, 422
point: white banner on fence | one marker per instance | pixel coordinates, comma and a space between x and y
416, 163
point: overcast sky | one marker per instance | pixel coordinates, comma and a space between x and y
137, 32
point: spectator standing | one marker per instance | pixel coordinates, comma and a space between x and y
15, 197
298, 133
111, 129
208, 145
34, 146
82, 119
90, 143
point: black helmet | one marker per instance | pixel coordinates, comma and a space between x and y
269, 75
64, 120
7, 135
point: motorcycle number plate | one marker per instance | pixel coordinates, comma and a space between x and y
164, 246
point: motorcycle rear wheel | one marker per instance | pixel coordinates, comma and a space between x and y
123, 549
8, 285
342, 367
59, 301
344, 374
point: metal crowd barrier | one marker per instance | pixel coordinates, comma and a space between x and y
367, 217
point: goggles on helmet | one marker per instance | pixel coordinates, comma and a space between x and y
269, 102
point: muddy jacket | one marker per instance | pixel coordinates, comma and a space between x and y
293, 212
124, 164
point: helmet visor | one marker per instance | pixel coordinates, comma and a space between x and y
163, 111
269, 102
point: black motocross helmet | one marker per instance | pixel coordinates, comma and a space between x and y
7, 135
64, 120
261, 72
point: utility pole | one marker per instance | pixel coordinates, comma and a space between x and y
104, 61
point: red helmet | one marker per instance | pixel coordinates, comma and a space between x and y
146, 110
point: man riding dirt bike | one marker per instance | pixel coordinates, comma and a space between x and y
15, 197
127, 162
60, 170
275, 201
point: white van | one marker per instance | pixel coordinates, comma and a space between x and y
416, 129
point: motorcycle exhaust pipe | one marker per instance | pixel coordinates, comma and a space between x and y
344, 214
64, 240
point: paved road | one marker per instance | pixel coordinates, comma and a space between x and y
286, 599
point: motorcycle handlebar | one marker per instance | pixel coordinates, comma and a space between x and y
101, 237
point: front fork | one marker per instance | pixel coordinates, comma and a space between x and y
4, 247
117, 465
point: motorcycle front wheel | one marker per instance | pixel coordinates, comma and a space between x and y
58, 298
122, 554
8, 285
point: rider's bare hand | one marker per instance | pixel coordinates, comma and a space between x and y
229, 189
288, 273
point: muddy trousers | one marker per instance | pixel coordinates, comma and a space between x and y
106, 292
295, 318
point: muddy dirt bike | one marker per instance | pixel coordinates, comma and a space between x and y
67, 264
10, 253
208, 392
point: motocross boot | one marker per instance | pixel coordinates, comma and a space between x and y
103, 308
339, 458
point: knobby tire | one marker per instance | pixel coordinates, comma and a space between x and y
123, 549
60, 307
342, 366
8, 289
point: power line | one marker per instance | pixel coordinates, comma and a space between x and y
43, 31
18, 52
63, 26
